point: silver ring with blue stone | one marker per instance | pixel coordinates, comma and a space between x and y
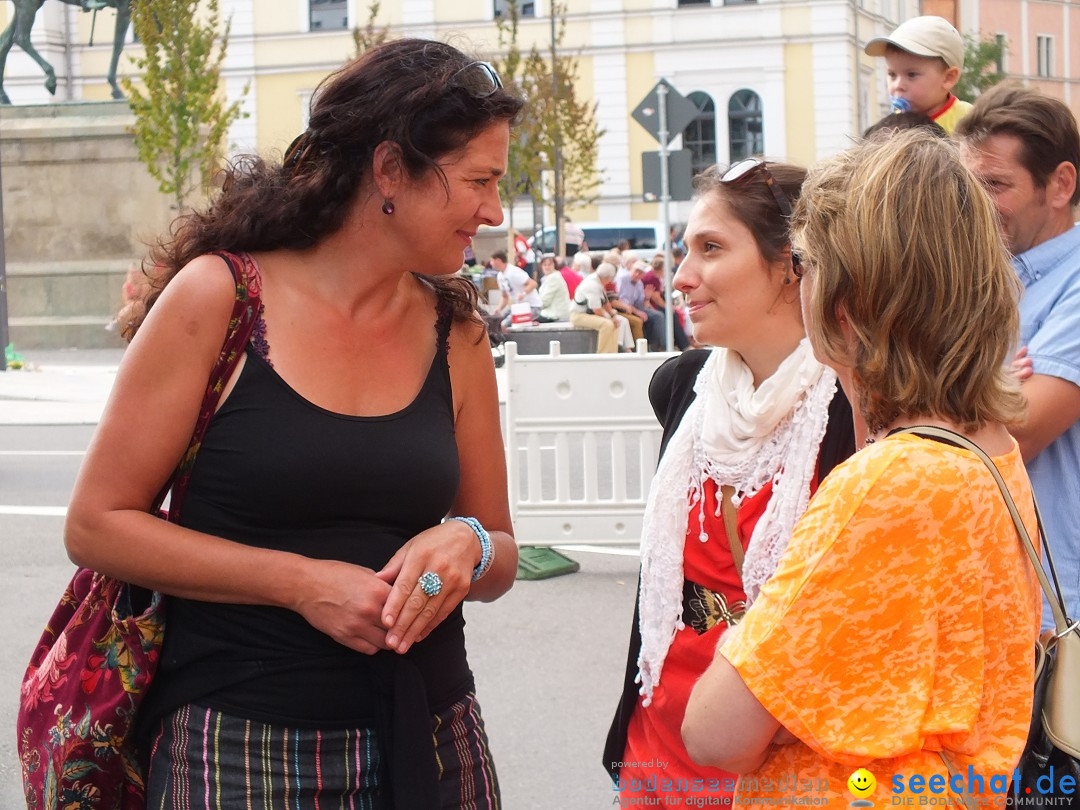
430, 583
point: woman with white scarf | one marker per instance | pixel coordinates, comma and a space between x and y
750, 428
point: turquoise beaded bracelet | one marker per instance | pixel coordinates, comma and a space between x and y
487, 550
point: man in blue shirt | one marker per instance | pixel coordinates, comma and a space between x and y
1025, 148
630, 291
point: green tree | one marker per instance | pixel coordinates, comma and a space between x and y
558, 136
369, 36
522, 165
982, 58
565, 125
181, 116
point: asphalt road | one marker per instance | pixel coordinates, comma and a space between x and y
548, 656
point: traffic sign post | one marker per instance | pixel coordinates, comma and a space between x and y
680, 177
678, 112
664, 113
665, 198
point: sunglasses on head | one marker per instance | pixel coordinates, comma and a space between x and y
744, 170
478, 79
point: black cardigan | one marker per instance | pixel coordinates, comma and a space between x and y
671, 392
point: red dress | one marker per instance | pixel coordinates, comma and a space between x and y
655, 763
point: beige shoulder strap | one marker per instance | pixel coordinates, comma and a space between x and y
966, 798
731, 526
1056, 607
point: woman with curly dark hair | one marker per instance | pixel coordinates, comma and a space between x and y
315, 648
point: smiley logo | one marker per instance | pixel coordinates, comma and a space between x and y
862, 784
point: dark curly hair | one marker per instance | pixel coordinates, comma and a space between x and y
404, 91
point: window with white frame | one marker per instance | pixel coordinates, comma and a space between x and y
328, 15
700, 135
525, 8
694, 3
1044, 55
746, 133
1002, 42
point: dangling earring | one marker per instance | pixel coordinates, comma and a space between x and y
387, 206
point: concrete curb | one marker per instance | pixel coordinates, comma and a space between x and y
55, 395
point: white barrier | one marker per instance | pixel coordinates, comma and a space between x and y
582, 443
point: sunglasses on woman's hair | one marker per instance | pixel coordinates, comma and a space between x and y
746, 169
478, 79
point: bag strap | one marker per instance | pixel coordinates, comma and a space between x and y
1057, 604
966, 798
731, 526
245, 314
952, 437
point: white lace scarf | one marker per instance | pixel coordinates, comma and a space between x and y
743, 438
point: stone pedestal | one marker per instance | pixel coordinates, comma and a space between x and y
79, 208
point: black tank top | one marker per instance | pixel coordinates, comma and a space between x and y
279, 472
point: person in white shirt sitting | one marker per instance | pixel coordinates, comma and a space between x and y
590, 309
516, 287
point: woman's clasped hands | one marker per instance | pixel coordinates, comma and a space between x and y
370, 611
451, 552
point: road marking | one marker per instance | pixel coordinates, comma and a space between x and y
34, 511
42, 452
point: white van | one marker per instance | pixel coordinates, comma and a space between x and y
644, 237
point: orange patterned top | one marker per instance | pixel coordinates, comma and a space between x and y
901, 621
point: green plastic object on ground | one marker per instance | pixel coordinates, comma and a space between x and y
541, 562
12, 357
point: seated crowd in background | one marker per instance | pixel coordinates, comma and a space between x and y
633, 301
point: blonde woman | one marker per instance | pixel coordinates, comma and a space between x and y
899, 624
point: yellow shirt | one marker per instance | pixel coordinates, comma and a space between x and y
901, 620
950, 113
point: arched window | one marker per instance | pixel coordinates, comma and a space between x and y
745, 132
700, 136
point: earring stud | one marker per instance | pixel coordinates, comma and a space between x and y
387, 206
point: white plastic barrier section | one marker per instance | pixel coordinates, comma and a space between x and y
582, 444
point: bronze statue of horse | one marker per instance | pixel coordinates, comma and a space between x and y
18, 33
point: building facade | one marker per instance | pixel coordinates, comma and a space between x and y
783, 78
1040, 38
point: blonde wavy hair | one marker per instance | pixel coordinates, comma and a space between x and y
901, 240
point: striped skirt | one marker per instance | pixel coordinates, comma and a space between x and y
202, 759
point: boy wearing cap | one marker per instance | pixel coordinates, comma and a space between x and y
925, 56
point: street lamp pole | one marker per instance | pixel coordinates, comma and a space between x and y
560, 236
